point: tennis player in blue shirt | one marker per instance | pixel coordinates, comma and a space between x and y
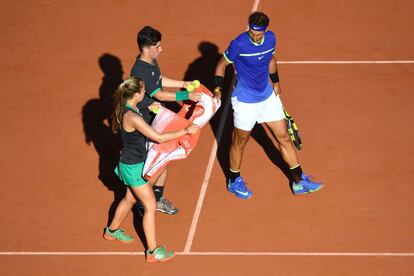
255, 99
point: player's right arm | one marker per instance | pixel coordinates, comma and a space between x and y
221, 66
274, 75
228, 57
167, 96
137, 122
219, 75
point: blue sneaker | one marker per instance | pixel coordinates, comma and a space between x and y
238, 187
306, 186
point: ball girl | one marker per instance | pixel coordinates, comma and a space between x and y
135, 132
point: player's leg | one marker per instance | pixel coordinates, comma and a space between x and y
244, 120
154, 253
163, 204
146, 196
274, 118
113, 232
287, 150
238, 143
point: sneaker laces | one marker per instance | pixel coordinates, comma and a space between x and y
240, 186
160, 252
119, 233
308, 179
166, 203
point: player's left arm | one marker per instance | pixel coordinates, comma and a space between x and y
167, 82
167, 96
274, 75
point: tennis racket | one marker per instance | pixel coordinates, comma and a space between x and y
293, 130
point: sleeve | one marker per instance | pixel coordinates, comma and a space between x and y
232, 52
143, 108
274, 42
150, 88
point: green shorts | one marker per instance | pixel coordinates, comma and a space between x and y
131, 175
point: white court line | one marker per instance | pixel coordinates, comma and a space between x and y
213, 152
317, 254
207, 175
347, 62
206, 180
255, 5
210, 164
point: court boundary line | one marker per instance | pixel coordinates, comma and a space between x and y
306, 254
213, 154
187, 251
206, 180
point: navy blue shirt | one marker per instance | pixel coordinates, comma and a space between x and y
151, 75
134, 149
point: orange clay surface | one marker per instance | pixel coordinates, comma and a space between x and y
61, 59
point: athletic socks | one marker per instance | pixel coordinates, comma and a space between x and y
233, 175
158, 192
296, 173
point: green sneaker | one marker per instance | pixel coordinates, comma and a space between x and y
118, 235
159, 254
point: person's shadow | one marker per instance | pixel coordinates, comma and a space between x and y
203, 69
96, 119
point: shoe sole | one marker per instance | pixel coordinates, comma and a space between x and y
312, 191
109, 238
309, 192
165, 212
153, 260
239, 196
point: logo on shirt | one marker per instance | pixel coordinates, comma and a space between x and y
260, 57
152, 73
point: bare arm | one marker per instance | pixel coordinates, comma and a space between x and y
136, 122
219, 74
221, 67
273, 65
273, 70
167, 82
167, 96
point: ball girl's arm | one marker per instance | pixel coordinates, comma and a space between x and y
139, 124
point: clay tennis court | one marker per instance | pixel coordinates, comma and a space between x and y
346, 70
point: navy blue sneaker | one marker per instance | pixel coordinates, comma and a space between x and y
306, 186
238, 187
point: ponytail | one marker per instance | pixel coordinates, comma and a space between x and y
124, 92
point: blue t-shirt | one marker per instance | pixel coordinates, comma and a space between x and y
251, 62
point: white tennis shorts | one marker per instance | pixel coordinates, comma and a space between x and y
247, 114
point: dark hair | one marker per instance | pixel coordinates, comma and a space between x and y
148, 36
125, 91
258, 18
